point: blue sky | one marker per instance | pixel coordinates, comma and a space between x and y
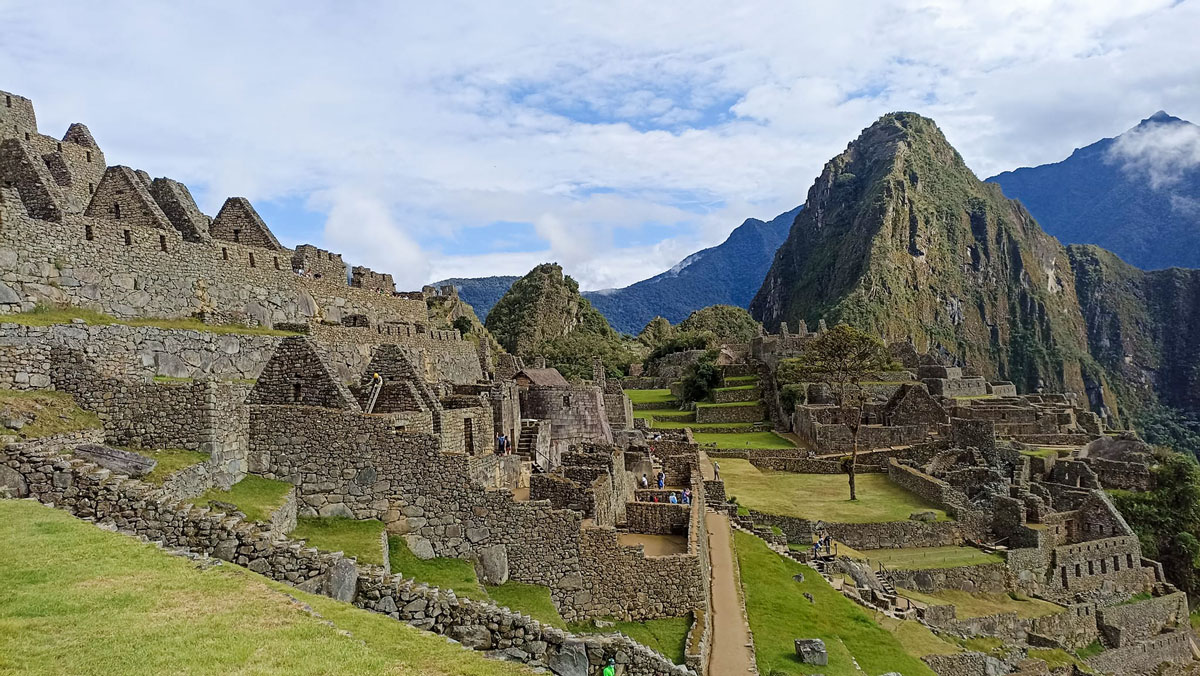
467, 139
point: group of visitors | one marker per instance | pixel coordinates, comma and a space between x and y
683, 497
823, 542
503, 445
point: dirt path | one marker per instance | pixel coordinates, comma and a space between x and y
729, 654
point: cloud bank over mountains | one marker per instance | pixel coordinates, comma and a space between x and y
464, 139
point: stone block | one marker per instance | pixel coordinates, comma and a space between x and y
812, 651
421, 548
491, 564
342, 581
571, 660
473, 636
117, 460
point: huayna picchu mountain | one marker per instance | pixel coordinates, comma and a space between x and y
1137, 195
899, 237
543, 305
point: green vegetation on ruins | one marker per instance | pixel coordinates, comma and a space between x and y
528, 599
650, 396
742, 440
46, 315
42, 413
80, 599
923, 558
444, 573
253, 496
170, 461
820, 496
779, 613
980, 604
728, 323
359, 538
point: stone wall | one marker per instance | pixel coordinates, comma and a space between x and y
138, 509
988, 577
863, 536
1142, 657
129, 270
1131, 622
813, 465
657, 518
730, 414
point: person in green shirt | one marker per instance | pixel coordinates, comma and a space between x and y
611, 669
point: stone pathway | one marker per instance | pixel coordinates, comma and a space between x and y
730, 652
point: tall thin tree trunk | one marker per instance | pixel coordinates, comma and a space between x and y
853, 464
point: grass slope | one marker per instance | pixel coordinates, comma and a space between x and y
170, 461
352, 537
820, 496
455, 574
47, 413
741, 440
529, 599
779, 613
923, 558
80, 600
650, 396
254, 496
44, 315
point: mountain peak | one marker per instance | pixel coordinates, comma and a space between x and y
1160, 117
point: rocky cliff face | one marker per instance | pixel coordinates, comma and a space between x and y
899, 237
1142, 326
543, 305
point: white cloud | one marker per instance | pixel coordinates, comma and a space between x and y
578, 118
1161, 152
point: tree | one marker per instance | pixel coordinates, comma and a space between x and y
701, 378
728, 323
1167, 518
463, 324
657, 332
841, 356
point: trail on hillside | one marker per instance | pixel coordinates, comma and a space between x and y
729, 652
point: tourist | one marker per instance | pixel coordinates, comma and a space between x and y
662, 481
674, 500
687, 498
500, 443
610, 669
716, 471
645, 482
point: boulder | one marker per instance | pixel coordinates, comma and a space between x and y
925, 516
120, 462
812, 651
473, 636
12, 481
341, 582
491, 564
571, 660
336, 509
420, 547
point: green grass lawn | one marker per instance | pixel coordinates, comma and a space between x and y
734, 388
978, 605
667, 635
920, 558
170, 461
444, 573
779, 613
81, 600
359, 538
650, 396
917, 639
46, 413
44, 315
529, 599
254, 496
743, 440
740, 380
820, 496
1056, 658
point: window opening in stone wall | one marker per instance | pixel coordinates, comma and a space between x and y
237, 235
566, 400
8, 102
128, 239
116, 211
89, 156
26, 136
297, 389
251, 257
87, 232
224, 254
91, 188
60, 147
162, 242
277, 262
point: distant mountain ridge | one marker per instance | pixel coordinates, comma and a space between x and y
727, 274
1137, 195
481, 293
